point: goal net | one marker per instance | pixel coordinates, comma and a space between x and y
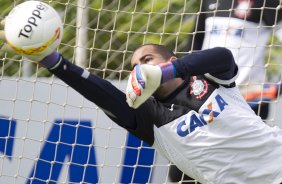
51, 134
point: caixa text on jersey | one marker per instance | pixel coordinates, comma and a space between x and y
195, 120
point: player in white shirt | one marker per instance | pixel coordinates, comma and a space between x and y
211, 134
197, 118
244, 27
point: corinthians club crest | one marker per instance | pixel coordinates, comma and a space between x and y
199, 87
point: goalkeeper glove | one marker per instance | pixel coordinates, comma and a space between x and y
144, 80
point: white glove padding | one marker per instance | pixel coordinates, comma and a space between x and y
143, 81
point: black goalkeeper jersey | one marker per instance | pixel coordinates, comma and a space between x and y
201, 78
205, 126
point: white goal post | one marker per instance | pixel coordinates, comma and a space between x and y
51, 134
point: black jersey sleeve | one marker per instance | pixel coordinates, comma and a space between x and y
110, 99
99, 91
217, 64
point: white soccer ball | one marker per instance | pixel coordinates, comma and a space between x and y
33, 28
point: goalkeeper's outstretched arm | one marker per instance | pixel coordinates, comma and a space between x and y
111, 100
105, 95
99, 91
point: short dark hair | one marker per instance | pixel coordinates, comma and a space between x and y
164, 51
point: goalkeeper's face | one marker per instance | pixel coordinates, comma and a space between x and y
148, 54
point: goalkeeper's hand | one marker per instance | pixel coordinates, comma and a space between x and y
144, 80
4, 46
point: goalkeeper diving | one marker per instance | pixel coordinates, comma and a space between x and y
189, 109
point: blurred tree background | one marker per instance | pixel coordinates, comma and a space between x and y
115, 28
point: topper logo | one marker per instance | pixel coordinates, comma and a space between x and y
32, 21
